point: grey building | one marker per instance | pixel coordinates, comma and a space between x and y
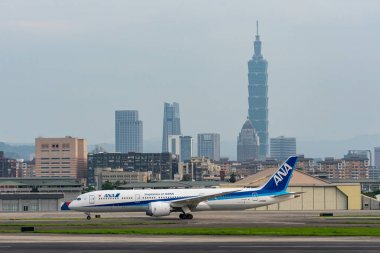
209, 146
258, 96
7, 166
186, 148
163, 166
377, 157
248, 143
282, 147
128, 131
172, 125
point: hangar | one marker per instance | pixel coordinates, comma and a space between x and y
318, 194
37, 194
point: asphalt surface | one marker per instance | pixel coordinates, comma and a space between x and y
251, 219
220, 247
56, 243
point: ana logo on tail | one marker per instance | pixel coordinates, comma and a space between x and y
283, 172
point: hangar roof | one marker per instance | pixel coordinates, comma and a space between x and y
299, 178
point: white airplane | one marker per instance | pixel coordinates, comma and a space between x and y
156, 202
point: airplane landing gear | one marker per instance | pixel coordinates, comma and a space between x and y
88, 216
186, 216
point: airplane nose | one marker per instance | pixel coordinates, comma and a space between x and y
72, 205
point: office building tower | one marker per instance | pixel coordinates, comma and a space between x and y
258, 96
377, 157
248, 143
174, 144
209, 146
61, 157
7, 166
282, 147
187, 144
172, 125
376, 167
3, 164
128, 131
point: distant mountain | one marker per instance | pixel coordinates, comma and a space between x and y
17, 151
337, 148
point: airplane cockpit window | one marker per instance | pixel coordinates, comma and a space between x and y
78, 199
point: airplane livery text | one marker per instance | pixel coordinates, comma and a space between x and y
282, 172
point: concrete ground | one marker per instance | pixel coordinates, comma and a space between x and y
201, 219
22, 242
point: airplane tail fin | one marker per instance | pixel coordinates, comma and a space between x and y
280, 180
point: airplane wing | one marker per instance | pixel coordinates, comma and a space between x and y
287, 194
194, 201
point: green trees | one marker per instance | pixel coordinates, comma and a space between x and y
107, 186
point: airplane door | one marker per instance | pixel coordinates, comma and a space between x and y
137, 197
92, 199
254, 197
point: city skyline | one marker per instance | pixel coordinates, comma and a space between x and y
310, 68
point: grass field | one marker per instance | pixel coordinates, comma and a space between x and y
303, 231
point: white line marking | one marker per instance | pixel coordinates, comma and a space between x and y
300, 246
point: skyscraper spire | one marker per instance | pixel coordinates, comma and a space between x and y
257, 27
257, 43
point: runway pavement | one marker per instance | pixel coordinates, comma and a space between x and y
196, 244
201, 219
56, 243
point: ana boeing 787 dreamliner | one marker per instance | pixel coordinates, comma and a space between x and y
155, 202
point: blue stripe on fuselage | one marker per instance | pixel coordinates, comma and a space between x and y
235, 195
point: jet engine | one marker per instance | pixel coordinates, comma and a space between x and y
157, 209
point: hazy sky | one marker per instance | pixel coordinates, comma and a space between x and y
66, 66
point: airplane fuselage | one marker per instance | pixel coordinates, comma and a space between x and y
138, 200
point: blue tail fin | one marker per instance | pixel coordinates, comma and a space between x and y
280, 180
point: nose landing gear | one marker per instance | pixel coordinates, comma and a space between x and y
88, 216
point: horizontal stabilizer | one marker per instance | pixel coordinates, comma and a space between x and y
287, 194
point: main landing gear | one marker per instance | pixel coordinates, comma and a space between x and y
186, 216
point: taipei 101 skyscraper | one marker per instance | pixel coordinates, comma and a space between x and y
258, 95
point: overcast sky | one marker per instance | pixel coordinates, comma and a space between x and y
66, 66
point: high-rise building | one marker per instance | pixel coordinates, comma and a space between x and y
209, 146
258, 96
7, 166
181, 146
282, 147
128, 131
248, 143
174, 144
172, 125
187, 144
24, 168
3, 162
377, 157
61, 157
